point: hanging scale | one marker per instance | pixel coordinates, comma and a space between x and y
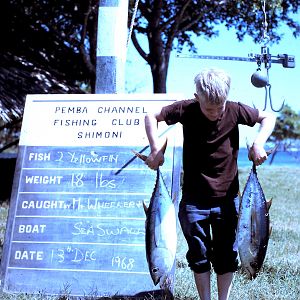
259, 78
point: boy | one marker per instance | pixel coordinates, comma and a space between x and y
210, 187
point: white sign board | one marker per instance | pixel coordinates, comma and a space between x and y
76, 213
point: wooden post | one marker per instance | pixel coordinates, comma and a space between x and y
111, 46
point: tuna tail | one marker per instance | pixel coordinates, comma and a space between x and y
139, 155
144, 157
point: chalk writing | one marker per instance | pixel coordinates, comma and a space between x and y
93, 158
73, 254
83, 256
104, 183
77, 180
123, 263
100, 204
52, 157
85, 228
82, 204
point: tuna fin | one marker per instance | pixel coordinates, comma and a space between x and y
270, 229
145, 207
269, 203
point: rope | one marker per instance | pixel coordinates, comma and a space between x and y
265, 38
132, 21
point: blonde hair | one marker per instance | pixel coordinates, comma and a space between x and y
212, 85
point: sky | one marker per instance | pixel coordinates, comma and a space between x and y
285, 82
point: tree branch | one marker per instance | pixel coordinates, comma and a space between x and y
177, 20
139, 49
145, 12
85, 55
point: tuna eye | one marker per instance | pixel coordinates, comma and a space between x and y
155, 270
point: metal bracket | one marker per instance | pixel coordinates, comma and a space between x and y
287, 61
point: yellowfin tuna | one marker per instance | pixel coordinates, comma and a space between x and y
253, 226
161, 232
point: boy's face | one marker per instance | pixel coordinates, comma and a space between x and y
211, 111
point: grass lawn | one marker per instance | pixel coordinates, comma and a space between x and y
279, 278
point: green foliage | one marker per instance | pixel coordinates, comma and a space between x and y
287, 125
9, 136
286, 134
50, 34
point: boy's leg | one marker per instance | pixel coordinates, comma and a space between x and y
224, 285
195, 224
202, 281
225, 247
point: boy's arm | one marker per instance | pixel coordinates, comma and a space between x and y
257, 152
156, 156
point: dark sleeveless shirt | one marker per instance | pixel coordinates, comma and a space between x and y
210, 148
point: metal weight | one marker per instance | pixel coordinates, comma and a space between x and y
259, 79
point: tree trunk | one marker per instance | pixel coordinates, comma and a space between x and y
158, 60
159, 71
158, 57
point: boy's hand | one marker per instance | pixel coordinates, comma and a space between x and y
257, 154
155, 160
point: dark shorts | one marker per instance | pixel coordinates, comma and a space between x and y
210, 232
